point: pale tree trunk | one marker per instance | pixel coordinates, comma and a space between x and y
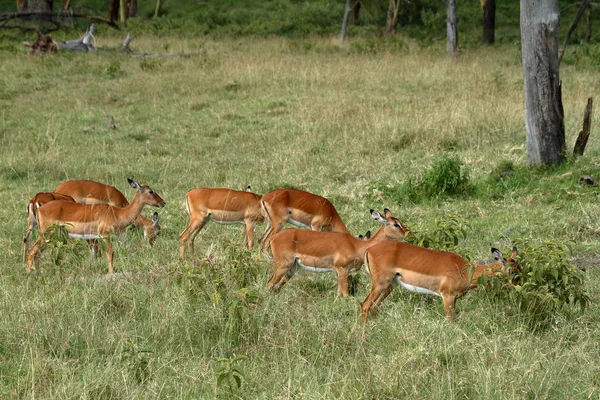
157, 9
123, 11
451, 28
347, 10
544, 116
392, 18
489, 21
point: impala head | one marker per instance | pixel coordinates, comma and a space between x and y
393, 227
509, 263
149, 196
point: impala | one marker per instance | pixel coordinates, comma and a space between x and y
36, 202
91, 192
224, 206
422, 270
327, 251
92, 221
299, 208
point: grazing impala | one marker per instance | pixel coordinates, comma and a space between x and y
299, 208
91, 192
36, 202
327, 251
92, 221
422, 270
224, 206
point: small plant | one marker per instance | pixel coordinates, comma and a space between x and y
545, 283
229, 371
447, 177
138, 360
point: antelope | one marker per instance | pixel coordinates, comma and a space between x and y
299, 208
91, 192
223, 206
422, 270
92, 221
327, 251
36, 202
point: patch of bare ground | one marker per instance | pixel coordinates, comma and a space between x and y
586, 261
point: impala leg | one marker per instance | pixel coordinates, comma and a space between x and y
34, 255
272, 230
249, 234
283, 271
189, 235
109, 255
368, 302
26, 241
342, 282
94, 248
449, 303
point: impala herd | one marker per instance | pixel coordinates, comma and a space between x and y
93, 211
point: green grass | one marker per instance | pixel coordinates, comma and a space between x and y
350, 124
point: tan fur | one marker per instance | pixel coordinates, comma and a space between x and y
309, 209
93, 220
221, 205
91, 192
337, 251
443, 273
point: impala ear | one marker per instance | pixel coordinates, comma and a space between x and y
133, 183
377, 217
249, 189
368, 235
515, 252
155, 218
387, 213
497, 254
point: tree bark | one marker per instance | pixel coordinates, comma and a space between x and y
588, 32
132, 8
345, 21
451, 28
544, 116
354, 13
584, 135
392, 18
113, 10
123, 11
489, 21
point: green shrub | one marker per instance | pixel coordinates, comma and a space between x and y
446, 234
545, 284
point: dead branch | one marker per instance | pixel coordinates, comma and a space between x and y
54, 15
584, 4
584, 135
42, 45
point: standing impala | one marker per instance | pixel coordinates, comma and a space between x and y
422, 270
299, 208
224, 206
92, 221
327, 251
91, 192
36, 202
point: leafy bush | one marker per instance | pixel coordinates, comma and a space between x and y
446, 234
546, 283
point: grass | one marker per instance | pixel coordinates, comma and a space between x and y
350, 124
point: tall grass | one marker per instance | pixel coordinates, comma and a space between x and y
304, 113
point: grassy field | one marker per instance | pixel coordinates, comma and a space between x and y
354, 124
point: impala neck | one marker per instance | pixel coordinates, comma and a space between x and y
339, 226
379, 236
128, 214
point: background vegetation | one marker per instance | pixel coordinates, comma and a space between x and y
371, 124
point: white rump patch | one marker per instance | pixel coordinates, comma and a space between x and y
87, 236
398, 282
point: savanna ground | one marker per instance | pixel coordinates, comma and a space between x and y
352, 124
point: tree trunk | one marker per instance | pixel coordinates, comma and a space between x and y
123, 11
22, 5
588, 32
544, 116
113, 10
132, 8
345, 21
489, 21
451, 28
392, 18
584, 135
157, 9
354, 13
